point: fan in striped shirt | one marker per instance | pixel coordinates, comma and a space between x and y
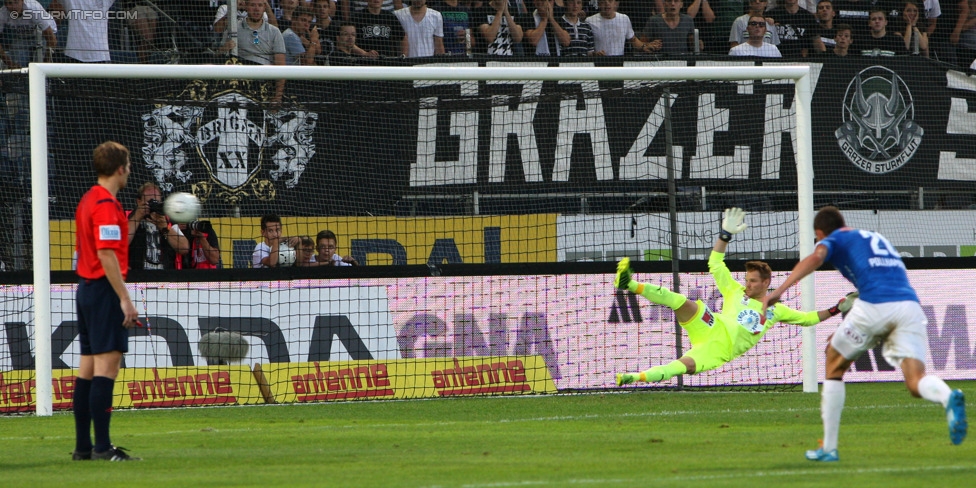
580, 33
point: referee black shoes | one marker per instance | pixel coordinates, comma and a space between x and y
113, 454
81, 455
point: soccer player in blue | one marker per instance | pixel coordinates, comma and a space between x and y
887, 310
719, 337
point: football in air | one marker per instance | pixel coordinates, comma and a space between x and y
286, 255
182, 207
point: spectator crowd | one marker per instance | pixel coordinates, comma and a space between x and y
310, 32
324, 32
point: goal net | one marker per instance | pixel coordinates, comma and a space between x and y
473, 200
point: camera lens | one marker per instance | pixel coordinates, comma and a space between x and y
201, 226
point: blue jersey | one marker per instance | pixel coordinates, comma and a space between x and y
871, 263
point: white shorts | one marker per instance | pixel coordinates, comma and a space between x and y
900, 326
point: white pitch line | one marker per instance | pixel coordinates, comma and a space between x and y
732, 476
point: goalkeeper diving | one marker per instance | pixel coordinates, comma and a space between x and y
719, 337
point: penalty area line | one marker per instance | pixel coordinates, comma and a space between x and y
731, 476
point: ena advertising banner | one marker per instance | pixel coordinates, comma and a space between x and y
581, 330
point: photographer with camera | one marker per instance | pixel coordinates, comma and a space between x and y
204, 246
154, 243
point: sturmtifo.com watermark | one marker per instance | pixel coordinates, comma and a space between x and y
75, 15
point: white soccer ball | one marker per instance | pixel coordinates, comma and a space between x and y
182, 207
286, 255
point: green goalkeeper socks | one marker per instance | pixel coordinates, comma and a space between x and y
656, 374
653, 375
664, 372
658, 295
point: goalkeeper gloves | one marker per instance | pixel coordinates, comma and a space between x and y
732, 223
845, 304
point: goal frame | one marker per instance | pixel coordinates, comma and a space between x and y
38, 73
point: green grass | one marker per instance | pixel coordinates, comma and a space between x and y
629, 439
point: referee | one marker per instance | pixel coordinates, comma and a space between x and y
105, 311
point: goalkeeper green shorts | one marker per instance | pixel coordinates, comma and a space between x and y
710, 346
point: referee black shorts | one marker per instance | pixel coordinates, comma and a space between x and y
100, 318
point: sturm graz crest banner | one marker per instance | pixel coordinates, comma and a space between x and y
885, 124
879, 134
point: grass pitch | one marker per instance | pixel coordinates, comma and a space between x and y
616, 439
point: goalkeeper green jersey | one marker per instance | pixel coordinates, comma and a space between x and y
741, 316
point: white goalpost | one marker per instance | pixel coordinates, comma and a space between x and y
40, 73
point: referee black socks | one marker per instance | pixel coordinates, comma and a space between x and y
81, 406
101, 411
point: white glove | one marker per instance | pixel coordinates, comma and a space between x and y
845, 304
734, 221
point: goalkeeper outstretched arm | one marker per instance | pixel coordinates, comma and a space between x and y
802, 318
733, 222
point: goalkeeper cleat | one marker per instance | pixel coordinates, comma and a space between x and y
625, 378
113, 454
623, 274
823, 456
956, 415
81, 455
